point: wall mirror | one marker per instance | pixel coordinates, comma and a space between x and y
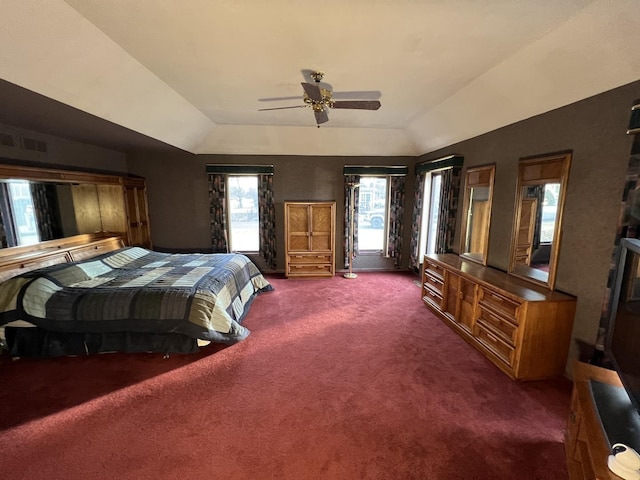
476, 213
537, 226
39, 205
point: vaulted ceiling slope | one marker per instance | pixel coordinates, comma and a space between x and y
193, 74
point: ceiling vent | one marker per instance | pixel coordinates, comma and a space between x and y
6, 140
34, 145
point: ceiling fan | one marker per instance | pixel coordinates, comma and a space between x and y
320, 100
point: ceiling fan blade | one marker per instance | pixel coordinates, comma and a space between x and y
281, 108
277, 99
321, 116
357, 104
362, 95
313, 91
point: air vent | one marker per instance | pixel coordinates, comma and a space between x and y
35, 145
6, 140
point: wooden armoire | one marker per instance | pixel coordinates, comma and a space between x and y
309, 229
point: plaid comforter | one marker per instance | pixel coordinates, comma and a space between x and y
204, 296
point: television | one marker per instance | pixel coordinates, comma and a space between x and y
622, 347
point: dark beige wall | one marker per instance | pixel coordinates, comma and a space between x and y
594, 130
179, 200
62, 152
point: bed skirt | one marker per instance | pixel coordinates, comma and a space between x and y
36, 342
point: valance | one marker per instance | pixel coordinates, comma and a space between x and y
240, 169
374, 170
439, 164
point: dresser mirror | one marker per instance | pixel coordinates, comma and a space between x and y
476, 213
537, 226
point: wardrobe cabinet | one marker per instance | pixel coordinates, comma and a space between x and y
522, 328
135, 195
310, 239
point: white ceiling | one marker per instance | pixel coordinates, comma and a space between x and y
193, 73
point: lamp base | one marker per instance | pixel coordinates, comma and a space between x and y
350, 275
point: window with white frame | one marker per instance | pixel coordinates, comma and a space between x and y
242, 201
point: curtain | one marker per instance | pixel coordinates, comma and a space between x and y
537, 192
396, 216
350, 180
628, 227
45, 204
448, 209
217, 212
418, 201
267, 222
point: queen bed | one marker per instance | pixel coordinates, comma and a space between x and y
100, 297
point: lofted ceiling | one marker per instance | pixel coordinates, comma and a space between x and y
194, 74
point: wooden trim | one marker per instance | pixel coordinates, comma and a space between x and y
79, 247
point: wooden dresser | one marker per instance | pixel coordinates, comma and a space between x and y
522, 328
309, 229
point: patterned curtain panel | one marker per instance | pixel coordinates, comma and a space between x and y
628, 227
267, 220
396, 215
448, 209
217, 211
418, 201
537, 192
46, 208
350, 180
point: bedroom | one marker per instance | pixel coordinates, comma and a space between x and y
592, 125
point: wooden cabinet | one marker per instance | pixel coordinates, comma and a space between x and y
310, 239
586, 444
526, 230
522, 328
135, 193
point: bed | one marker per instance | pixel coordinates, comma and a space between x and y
102, 297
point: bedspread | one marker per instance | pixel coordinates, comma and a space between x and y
204, 296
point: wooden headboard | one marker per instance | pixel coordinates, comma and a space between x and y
16, 261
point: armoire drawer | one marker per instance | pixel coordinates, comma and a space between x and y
311, 258
309, 269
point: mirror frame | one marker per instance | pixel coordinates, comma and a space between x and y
550, 168
481, 176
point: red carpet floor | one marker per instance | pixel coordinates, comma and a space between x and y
340, 379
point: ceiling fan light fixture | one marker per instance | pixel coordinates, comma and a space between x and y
317, 76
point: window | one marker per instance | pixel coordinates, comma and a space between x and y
19, 214
373, 200
243, 213
430, 213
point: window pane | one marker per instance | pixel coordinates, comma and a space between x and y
434, 209
23, 212
372, 213
243, 213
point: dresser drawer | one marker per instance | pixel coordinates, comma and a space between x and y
433, 282
434, 270
432, 297
497, 303
307, 258
497, 346
498, 324
309, 269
